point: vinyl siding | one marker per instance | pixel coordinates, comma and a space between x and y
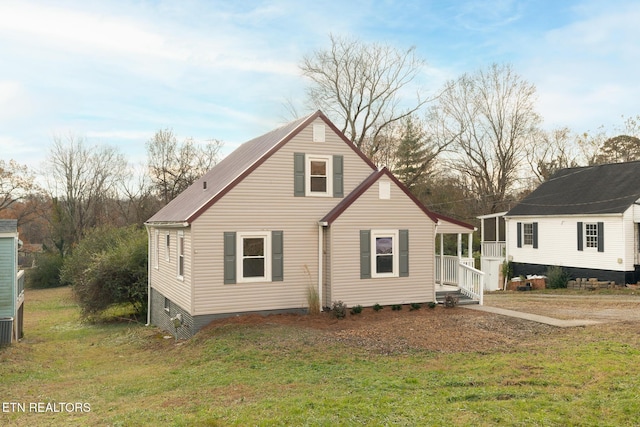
557, 242
265, 200
8, 267
165, 277
371, 213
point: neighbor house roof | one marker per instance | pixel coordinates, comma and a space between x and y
8, 225
599, 189
231, 170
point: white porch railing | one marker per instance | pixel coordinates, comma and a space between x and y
493, 249
20, 287
471, 283
460, 272
449, 267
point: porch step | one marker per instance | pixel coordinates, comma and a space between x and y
462, 299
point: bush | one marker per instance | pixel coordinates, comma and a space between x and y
339, 309
557, 277
313, 300
432, 304
46, 273
356, 309
415, 306
396, 307
109, 267
377, 307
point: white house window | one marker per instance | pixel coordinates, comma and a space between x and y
527, 233
167, 250
156, 243
255, 257
591, 234
319, 176
384, 247
180, 255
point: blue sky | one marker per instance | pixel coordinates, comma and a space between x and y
117, 71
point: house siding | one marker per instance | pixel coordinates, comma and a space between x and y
371, 213
8, 266
165, 278
557, 243
265, 201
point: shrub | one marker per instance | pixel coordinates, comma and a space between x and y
415, 306
107, 268
432, 304
377, 307
46, 273
313, 300
339, 309
557, 277
356, 309
396, 307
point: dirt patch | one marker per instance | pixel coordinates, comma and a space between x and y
392, 332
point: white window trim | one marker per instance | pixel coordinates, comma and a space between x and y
266, 235
156, 261
395, 235
524, 242
180, 254
586, 239
307, 174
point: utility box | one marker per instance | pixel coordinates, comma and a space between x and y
6, 330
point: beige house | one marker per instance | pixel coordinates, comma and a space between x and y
297, 208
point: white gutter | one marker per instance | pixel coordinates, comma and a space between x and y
184, 224
146, 226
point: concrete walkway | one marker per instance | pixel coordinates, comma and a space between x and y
534, 317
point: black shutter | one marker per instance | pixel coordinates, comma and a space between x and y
404, 253
601, 237
519, 228
365, 254
229, 258
277, 259
580, 231
535, 235
298, 175
338, 176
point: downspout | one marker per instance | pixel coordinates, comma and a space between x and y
146, 226
320, 262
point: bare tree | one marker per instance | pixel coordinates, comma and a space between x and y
173, 166
553, 150
491, 119
359, 85
16, 183
81, 179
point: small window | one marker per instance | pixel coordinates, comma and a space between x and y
167, 304
319, 176
591, 234
385, 251
181, 255
167, 250
527, 233
255, 253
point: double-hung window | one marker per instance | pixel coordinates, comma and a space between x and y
254, 257
384, 248
319, 175
591, 234
167, 248
527, 233
181, 255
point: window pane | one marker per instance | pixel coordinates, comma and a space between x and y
384, 245
253, 246
253, 267
181, 266
319, 184
384, 264
318, 168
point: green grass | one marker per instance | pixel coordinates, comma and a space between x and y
273, 374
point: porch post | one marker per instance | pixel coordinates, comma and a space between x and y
470, 246
459, 245
441, 258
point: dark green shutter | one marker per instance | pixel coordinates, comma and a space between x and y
298, 175
277, 265
365, 254
580, 244
519, 228
404, 253
601, 237
338, 176
535, 235
229, 258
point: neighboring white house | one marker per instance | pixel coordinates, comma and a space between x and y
584, 219
297, 208
11, 283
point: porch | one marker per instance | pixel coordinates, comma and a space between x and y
456, 274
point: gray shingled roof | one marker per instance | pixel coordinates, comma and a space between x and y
599, 189
8, 225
